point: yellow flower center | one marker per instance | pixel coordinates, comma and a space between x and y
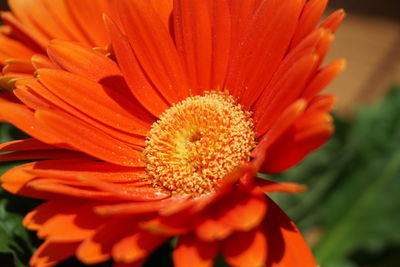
197, 142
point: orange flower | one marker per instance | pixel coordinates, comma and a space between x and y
165, 137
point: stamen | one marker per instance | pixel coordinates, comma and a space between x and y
197, 142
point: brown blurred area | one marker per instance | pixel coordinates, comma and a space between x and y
369, 39
3, 5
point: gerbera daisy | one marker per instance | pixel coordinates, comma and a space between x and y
31, 24
165, 136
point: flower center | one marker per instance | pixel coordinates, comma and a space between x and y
197, 142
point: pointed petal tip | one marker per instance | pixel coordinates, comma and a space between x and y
342, 12
299, 188
55, 43
341, 64
300, 106
285, 187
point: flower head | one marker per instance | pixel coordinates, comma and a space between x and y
164, 135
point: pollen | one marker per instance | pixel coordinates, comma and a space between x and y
197, 142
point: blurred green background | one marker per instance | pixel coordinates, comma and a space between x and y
351, 213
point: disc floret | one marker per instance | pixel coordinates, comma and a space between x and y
197, 142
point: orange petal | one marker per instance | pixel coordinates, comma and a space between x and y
247, 249
23, 118
50, 188
323, 78
309, 18
136, 79
324, 103
193, 35
97, 248
95, 66
42, 20
59, 13
128, 191
192, 252
30, 99
98, 104
25, 144
285, 120
242, 210
267, 186
71, 224
26, 22
307, 47
285, 92
58, 103
18, 65
41, 61
133, 208
82, 60
75, 168
176, 224
52, 252
136, 246
306, 135
263, 48
13, 49
213, 227
154, 48
89, 139
14, 179
323, 47
334, 20
311, 118
226, 187
17, 179
88, 15
24, 33
286, 246
241, 16
42, 213
221, 43
164, 8
44, 154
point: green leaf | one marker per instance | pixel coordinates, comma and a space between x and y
357, 215
15, 239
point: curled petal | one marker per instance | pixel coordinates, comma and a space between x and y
52, 252
213, 227
41, 214
192, 252
136, 246
246, 249
71, 224
334, 20
98, 246
286, 187
242, 210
